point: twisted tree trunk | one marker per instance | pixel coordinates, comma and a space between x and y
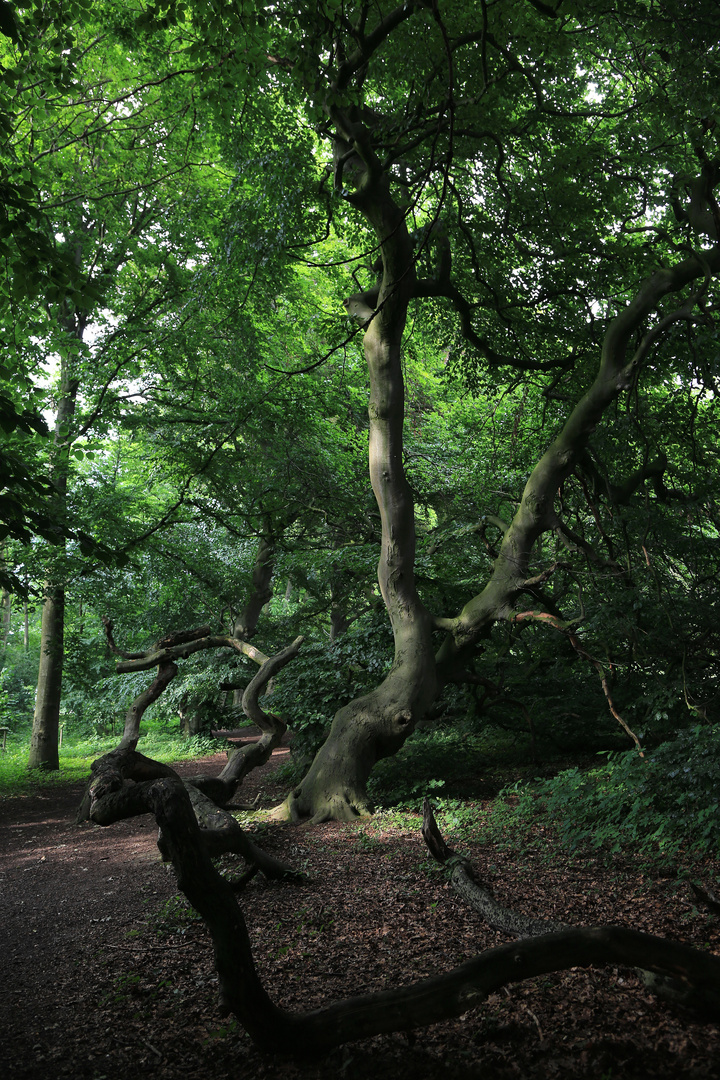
377, 725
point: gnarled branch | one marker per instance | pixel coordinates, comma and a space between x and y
425, 1002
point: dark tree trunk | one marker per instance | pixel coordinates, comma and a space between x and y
44, 752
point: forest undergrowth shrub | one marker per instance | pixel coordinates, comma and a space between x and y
324, 677
455, 762
662, 802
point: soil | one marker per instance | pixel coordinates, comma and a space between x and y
107, 974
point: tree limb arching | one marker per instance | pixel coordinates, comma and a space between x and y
428, 1001
242, 760
536, 513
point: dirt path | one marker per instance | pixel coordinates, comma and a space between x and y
71, 901
96, 984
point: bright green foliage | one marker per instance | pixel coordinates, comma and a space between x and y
179, 233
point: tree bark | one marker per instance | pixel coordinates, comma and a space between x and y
117, 790
251, 756
6, 607
260, 594
44, 753
378, 724
467, 885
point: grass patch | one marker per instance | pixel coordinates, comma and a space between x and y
77, 755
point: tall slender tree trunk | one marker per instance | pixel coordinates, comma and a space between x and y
6, 609
6, 621
46, 721
261, 591
377, 725
44, 738
26, 620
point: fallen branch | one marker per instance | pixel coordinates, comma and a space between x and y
706, 897
467, 884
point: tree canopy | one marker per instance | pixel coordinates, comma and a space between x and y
214, 212
375, 345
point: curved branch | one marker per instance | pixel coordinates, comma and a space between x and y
425, 1002
536, 513
260, 680
372, 42
465, 882
162, 654
167, 671
250, 756
118, 790
181, 645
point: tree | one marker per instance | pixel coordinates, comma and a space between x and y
111, 157
445, 135
35, 269
514, 185
541, 948
455, 145
532, 185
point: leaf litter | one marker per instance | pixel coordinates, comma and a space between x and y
107, 972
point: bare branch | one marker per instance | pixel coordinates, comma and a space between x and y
426, 1002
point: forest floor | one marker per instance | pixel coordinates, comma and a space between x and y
107, 975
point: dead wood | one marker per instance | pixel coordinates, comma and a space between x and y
467, 884
706, 897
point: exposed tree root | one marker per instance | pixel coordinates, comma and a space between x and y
706, 897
